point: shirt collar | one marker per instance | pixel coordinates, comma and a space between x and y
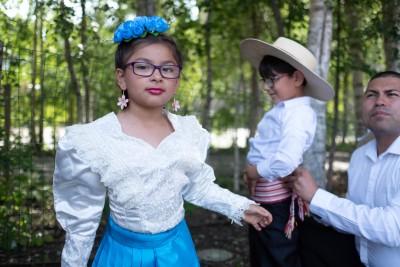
394, 148
302, 100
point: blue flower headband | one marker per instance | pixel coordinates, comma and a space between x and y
140, 27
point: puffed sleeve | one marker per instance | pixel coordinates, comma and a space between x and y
203, 192
78, 201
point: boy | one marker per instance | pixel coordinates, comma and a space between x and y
283, 135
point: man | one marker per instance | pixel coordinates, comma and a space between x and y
371, 210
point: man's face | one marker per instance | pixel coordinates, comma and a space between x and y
381, 107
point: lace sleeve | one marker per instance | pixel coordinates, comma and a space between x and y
202, 190
78, 201
76, 251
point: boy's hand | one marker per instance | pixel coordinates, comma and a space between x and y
258, 217
250, 177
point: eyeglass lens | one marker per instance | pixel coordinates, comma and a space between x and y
268, 82
146, 69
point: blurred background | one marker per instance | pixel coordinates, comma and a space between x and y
57, 69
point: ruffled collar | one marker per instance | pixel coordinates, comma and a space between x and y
116, 127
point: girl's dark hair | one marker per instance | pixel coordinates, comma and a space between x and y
270, 66
126, 49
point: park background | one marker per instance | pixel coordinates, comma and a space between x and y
57, 69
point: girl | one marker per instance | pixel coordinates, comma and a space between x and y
146, 159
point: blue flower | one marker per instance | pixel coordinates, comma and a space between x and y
139, 27
151, 25
162, 24
127, 30
118, 34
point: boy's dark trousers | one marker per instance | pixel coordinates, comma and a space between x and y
312, 244
270, 247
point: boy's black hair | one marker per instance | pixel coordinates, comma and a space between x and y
270, 66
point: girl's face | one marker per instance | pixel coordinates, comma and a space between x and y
151, 92
285, 86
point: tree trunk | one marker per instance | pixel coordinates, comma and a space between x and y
41, 81
356, 56
346, 106
332, 148
66, 30
237, 170
74, 80
85, 71
255, 105
7, 132
207, 105
391, 13
145, 7
278, 17
319, 40
1, 60
33, 79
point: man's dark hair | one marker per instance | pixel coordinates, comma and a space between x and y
383, 74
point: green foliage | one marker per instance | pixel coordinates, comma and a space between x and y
26, 199
346, 147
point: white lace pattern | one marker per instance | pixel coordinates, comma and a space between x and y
146, 185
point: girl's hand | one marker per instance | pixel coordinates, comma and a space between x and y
258, 217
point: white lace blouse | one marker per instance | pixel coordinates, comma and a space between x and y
146, 186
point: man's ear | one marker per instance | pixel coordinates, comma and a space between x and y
120, 76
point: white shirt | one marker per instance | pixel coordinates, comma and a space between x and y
372, 208
146, 186
283, 135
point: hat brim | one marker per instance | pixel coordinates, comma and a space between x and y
254, 51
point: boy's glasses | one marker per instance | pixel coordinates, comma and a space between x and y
270, 82
145, 69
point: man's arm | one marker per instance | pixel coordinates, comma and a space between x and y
379, 224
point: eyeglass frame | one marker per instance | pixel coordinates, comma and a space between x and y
158, 67
272, 80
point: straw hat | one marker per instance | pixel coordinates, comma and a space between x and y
296, 55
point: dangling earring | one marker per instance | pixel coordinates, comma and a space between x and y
175, 105
123, 101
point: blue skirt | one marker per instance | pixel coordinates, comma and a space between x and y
121, 247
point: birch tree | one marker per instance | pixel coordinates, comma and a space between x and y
33, 75
319, 40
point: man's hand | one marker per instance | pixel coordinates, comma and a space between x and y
302, 183
258, 217
250, 177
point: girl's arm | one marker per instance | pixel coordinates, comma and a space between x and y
78, 201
